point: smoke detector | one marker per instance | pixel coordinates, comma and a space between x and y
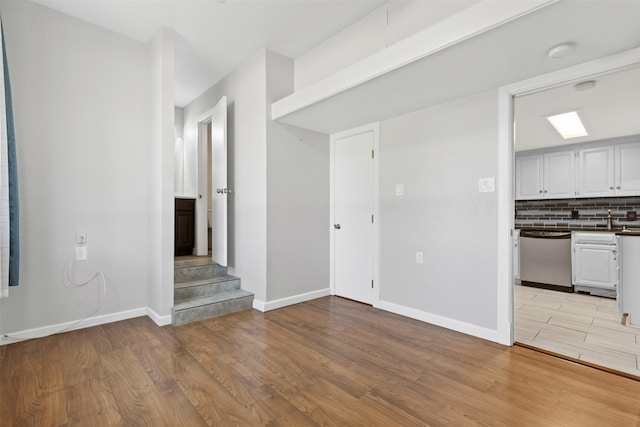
561, 50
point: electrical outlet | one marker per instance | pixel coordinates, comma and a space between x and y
81, 253
81, 237
419, 258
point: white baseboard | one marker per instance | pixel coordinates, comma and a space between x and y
159, 320
43, 331
295, 299
445, 322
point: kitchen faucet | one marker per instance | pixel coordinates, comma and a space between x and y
609, 220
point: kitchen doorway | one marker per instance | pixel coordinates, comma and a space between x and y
587, 328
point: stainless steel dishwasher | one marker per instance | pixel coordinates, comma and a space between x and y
545, 259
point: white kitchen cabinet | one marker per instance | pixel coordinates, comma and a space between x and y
610, 170
546, 176
627, 169
529, 179
559, 175
595, 261
516, 255
629, 294
596, 172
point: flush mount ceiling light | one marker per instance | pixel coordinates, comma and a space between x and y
561, 50
586, 85
568, 125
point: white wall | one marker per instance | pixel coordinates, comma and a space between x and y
366, 37
439, 154
278, 211
297, 198
81, 104
245, 89
161, 175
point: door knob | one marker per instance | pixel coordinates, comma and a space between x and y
336, 226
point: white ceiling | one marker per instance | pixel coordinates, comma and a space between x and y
509, 53
610, 109
214, 37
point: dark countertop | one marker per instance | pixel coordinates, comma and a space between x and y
617, 230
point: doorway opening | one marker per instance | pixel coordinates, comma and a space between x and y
211, 204
585, 327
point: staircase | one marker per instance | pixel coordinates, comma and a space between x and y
204, 291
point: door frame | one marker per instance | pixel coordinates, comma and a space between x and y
375, 128
506, 161
201, 239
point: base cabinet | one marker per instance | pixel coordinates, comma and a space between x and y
594, 262
629, 297
184, 226
516, 255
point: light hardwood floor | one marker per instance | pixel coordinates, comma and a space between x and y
325, 362
580, 326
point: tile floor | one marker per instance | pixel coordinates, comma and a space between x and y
580, 326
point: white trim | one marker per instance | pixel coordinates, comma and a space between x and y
43, 331
376, 213
295, 299
470, 22
375, 129
445, 322
613, 63
158, 319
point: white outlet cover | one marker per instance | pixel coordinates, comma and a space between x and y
487, 185
81, 253
399, 189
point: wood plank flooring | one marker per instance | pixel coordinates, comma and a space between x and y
325, 362
583, 327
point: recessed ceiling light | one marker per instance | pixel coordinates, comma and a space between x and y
568, 125
586, 85
561, 50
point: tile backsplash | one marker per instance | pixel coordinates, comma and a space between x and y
590, 212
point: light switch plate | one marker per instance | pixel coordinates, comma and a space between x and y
399, 189
487, 185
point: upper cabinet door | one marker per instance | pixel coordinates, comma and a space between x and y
595, 172
559, 175
529, 177
627, 180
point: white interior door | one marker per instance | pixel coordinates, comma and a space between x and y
219, 190
353, 208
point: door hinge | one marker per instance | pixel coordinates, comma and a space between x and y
372, 154
372, 283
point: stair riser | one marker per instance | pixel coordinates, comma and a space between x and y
205, 290
195, 314
198, 272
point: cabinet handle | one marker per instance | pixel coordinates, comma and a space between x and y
618, 187
610, 188
540, 191
545, 191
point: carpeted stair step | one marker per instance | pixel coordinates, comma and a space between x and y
205, 287
198, 272
221, 303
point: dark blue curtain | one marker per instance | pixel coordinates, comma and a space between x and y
14, 211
